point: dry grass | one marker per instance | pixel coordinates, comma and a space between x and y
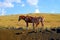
50, 20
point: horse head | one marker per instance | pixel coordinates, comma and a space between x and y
21, 17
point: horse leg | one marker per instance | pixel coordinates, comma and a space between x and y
37, 24
27, 24
33, 25
42, 24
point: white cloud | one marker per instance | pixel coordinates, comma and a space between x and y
18, 1
37, 11
11, 1
4, 5
0, 5
52, 12
33, 2
3, 12
8, 4
23, 5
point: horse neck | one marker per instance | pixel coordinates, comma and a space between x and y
23, 18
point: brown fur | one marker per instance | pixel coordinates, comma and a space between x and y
30, 19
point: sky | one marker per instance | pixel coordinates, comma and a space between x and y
8, 7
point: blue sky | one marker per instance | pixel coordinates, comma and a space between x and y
8, 7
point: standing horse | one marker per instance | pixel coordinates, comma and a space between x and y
29, 19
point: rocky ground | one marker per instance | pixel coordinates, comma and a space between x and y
20, 34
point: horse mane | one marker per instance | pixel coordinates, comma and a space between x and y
22, 16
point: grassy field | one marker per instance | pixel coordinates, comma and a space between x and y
50, 20
8, 22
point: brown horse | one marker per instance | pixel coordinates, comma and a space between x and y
29, 19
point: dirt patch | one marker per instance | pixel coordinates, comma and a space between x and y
16, 34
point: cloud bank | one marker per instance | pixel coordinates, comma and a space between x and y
9, 4
35, 4
37, 11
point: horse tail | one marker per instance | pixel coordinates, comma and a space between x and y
42, 20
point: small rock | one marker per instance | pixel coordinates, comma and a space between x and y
18, 33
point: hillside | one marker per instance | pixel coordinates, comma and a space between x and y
50, 20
